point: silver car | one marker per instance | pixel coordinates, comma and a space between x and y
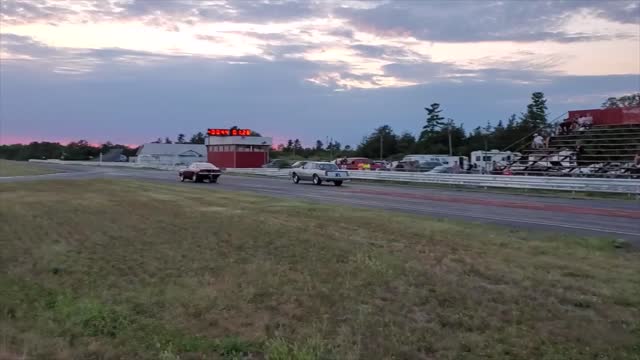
318, 172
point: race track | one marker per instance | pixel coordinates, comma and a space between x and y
611, 218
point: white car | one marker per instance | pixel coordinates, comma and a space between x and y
318, 172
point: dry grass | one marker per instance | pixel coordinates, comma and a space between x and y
22, 168
124, 269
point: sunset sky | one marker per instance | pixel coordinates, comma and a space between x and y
132, 71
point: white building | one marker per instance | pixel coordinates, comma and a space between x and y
171, 154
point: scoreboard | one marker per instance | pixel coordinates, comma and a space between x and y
228, 132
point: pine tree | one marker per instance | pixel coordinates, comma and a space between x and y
536, 115
434, 121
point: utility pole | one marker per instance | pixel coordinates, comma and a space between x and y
449, 124
381, 144
331, 150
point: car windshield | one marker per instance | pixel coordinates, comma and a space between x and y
327, 167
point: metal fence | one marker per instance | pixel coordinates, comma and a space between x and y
605, 185
626, 186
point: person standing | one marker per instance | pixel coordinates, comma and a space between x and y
538, 141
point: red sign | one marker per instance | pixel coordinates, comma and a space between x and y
229, 132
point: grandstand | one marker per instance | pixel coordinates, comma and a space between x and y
606, 149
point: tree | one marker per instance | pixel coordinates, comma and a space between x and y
197, 138
381, 136
289, 147
631, 100
297, 146
434, 121
106, 147
319, 145
334, 146
512, 122
158, 141
347, 148
536, 115
180, 139
406, 143
167, 140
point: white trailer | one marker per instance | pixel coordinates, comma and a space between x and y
446, 160
484, 160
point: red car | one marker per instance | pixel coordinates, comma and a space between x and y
200, 171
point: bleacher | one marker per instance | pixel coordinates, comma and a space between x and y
603, 150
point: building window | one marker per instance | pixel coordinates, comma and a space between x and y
477, 158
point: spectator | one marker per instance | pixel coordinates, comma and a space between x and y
538, 141
579, 153
565, 127
585, 122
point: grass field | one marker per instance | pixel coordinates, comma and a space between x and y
113, 269
21, 168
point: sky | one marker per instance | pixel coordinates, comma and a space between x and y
130, 71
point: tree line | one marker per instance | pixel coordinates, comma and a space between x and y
383, 142
510, 133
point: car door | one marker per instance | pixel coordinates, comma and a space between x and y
191, 171
307, 171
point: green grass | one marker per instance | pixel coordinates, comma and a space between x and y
115, 269
22, 168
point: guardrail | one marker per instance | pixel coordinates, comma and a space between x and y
625, 186
605, 185
108, 164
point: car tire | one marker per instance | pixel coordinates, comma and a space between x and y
337, 183
317, 180
181, 177
213, 180
295, 178
195, 178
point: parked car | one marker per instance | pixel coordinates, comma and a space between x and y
277, 164
380, 165
318, 172
355, 163
415, 166
446, 169
200, 171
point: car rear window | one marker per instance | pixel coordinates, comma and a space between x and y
328, 167
204, 166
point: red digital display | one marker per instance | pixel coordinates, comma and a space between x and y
229, 132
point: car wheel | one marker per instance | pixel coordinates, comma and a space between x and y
337, 183
181, 177
316, 180
295, 178
213, 180
195, 178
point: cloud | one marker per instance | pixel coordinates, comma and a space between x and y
131, 71
466, 21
